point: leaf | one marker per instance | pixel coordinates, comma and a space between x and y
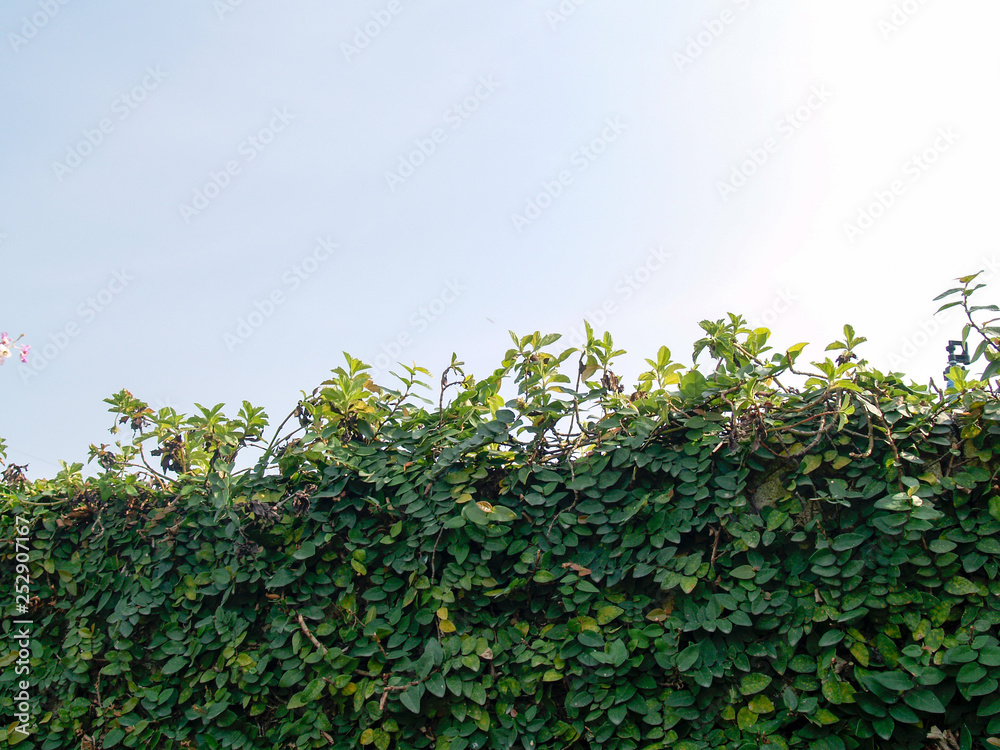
113, 737
811, 463
282, 578
618, 652
746, 718
847, 541
831, 637
410, 698
838, 692
754, 683
761, 704
607, 614
687, 658
924, 700
367, 737
436, 685
175, 664
969, 673
961, 586
474, 513
502, 514
894, 680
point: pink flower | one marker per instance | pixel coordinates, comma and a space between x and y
24, 352
5, 339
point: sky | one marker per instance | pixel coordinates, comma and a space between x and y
208, 201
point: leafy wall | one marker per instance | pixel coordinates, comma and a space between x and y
714, 560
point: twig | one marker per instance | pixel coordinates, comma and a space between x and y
715, 545
309, 635
387, 687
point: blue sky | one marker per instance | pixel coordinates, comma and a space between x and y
208, 201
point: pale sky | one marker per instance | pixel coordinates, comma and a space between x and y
209, 201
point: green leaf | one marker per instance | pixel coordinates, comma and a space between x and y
754, 683
175, 664
989, 545
831, 637
436, 685
687, 658
282, 578
961, 586
410, 699
894, 680
847, 541
472, 512
924, 700
971, 672
501, 514
618, 652
113, 737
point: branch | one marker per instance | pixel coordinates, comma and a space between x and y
309, 635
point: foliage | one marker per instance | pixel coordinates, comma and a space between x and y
718, 559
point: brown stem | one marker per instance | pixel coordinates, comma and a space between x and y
309, 635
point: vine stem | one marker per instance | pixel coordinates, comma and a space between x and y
308, 633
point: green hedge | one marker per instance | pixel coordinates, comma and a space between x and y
715, 560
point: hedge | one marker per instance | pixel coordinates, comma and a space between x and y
715, 560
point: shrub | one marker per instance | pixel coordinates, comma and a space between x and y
718, 560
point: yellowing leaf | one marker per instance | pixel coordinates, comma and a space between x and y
746, 718
607, 614
447, 626
860, 652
